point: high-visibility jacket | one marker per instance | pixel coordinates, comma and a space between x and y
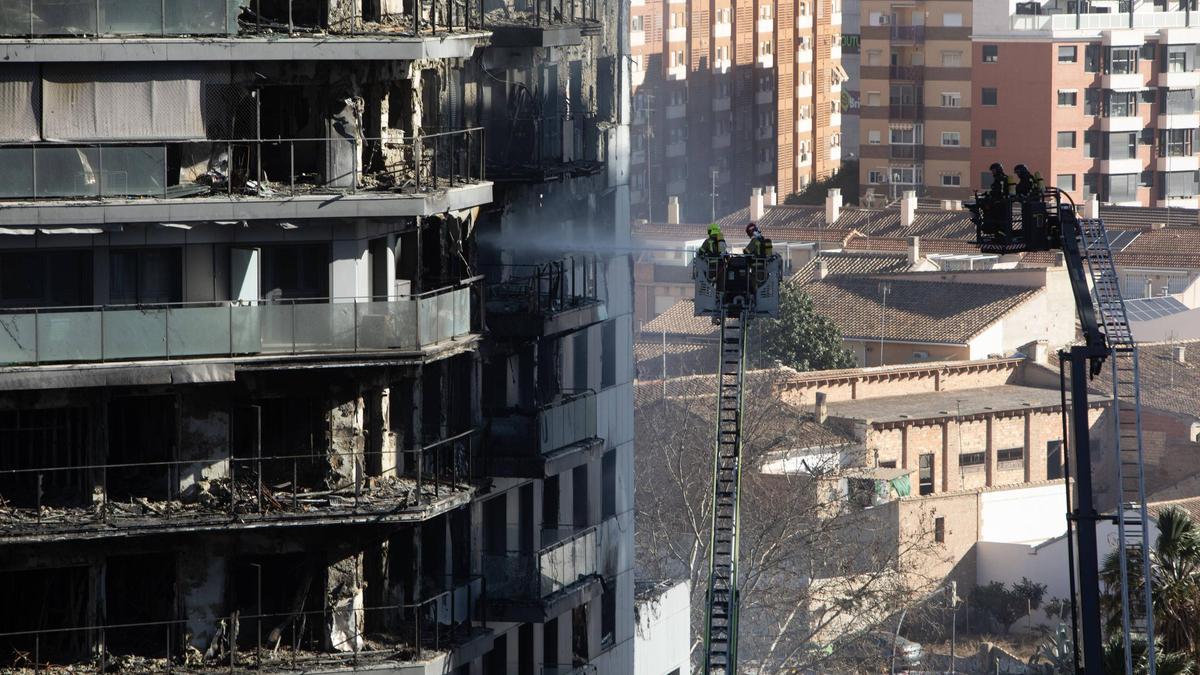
713, 246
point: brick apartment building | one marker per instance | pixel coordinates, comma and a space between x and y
254, 412
915, 99
730, 96
1102, 104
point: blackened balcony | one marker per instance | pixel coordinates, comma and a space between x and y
545, 23
544, 442
251, 178
540, 149
539, 585
532, 301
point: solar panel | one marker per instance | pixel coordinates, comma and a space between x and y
1120, 240
1146, 309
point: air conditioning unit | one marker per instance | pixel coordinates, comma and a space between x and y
884, 20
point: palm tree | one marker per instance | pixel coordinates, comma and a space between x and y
1166, 662
1175, 579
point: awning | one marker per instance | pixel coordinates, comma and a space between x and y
839, 74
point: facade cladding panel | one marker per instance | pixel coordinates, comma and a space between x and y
290, 429
745, 97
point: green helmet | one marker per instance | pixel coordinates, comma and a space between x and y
714, 230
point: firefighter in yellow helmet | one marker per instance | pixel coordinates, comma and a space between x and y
714, 245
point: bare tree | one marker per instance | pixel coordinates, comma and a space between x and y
815, 566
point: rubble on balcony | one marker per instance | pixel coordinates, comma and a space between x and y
530, 301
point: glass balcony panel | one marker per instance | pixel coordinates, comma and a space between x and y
133, 171
427, 319
68, 336
202, 17
387, 325
276, 324
131, 17
134, 333
14, 17
246, 328
16, 172
18, 338
446, 320
64, 17
325, 327
462, 311
67, 172
196, 331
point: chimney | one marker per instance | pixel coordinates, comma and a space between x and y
771, 197
908, 208
833, 205
673, 210
1091, 207
756, 204
1038, 351
820, 410
1157, 226
1180, 354
822, 269
914, 250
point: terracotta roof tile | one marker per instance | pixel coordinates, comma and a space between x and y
678, 321
1190, 506
1166, 384
853, 262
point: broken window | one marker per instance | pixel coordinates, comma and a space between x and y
39, 447
140, 589
579, 489
141, 440
287, 591
580, 649
284, 438
44, 600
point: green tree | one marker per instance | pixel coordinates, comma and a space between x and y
846, 179
1007, 605
800, 338
1175, 578
1166, 662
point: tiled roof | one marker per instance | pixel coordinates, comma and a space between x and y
1143, 216
681, 358
1166, 384
853, 262
1185, 489
1174, 247
1190, 506
678, 321
917, 311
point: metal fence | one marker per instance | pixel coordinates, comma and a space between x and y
555, 286
253, 167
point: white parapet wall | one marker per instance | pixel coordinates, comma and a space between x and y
663, 638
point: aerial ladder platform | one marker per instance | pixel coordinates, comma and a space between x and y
733, 290
1019, 216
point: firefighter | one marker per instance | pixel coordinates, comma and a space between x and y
1000, 182
756, 245
1028, 184
714, 245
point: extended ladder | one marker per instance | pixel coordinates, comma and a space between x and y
1137, 617
720, 635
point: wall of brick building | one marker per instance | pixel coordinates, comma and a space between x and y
901, 381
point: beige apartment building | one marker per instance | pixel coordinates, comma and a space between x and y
916, 100
1102, 103
731, 95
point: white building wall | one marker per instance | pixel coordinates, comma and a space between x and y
1025, 515
664, 635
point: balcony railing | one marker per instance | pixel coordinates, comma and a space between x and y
244, 488
169, 18
548, 12
910, 152
548, 288
232, 329
906, 111
263, 168
549, 428
1097, 21
915, 73
405, 633
563, 143
528, 576
908, 33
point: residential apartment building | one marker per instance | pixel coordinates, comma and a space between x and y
254, 410
916, 99
1103, 103
730, 96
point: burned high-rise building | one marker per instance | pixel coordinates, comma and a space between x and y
315, 336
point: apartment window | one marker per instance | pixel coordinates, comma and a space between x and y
1122, 188
906, 135
295, 271
951, 180
764, 48
677, 173
608, 472
1180, 184
677, 134
925, 475
802, 9
723, 55
1179, 101
952, 59
989, 96
145, 276
874, 57
876, 177
636, 23
1010, 454
1068, 98
765, 155
1120, 104
952, 19
1146, 179
1067, 53
1122, 145
1066, 139
636, 64
764, 12
873, 137
802, 112
764, 82
971, 459
991, 53
873, 98
766, 119
678, 20
1175, 143
1178, 58
1065, 181
1122, 60
677, 58
1091, 144
1091, 58
951, 138
987, 138
951, 99
939, 529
